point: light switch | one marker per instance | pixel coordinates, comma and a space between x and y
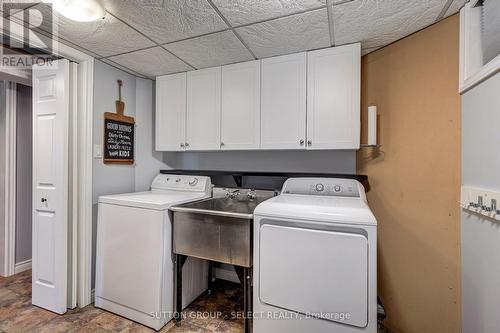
97, 151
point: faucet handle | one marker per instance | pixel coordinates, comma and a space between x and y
251, 194
232, 194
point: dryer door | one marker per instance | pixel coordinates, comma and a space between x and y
319, 273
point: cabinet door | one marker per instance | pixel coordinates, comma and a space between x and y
170, 124
203, 109
240, 120
283, 108
333, 98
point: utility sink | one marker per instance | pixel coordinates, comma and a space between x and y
219, 228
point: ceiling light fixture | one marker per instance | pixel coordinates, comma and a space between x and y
80, 10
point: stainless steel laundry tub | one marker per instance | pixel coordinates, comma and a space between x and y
219, 228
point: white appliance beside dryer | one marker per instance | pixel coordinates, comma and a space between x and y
134, 264
315, 259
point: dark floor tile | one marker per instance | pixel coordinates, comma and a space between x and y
189, 328
208, 314
26, 319
111, 322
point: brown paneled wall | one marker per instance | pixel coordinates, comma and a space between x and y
415, 177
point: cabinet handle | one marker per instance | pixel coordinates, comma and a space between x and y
301, 142
222, 144
187, 144
182, 145
309, 143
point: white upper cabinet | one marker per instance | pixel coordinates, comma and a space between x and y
308, 100
203, 109
240, 121
170, 112
333, 98
283, 102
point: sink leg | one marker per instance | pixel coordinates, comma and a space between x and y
180, 260
210, 276
245, 277
247, 298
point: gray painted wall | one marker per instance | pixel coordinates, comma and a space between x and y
333, 161
3, 109
148, 161
23, 173
480, 243
109, 178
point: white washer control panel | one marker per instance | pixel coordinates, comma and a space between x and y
322, 186
181, 182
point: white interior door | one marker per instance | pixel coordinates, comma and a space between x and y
51, 106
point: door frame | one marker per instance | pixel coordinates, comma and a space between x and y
10, 179
84, 169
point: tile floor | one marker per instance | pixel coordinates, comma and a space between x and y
18, 315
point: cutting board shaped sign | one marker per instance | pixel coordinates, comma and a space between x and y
119, 132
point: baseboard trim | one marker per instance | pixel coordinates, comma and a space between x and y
22, 266
228, 275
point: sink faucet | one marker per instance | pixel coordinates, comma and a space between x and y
251, 194
232, 194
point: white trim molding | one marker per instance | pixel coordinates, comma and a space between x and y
10, 180
22, 76
85, 121
22, 266
472, 71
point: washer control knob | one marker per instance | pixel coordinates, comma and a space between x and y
337, 188
177, 180
193, 181
320, 187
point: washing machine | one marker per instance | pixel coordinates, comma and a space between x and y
315, 259
134, 262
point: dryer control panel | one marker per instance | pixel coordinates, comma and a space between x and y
182, 183
338, 187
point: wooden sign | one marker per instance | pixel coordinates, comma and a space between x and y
119, 134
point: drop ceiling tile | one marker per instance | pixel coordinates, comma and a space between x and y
107, 36
151, 62
376, 23
211, 50
166, 21
286, 35
239, 12
455, 7
125, 69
